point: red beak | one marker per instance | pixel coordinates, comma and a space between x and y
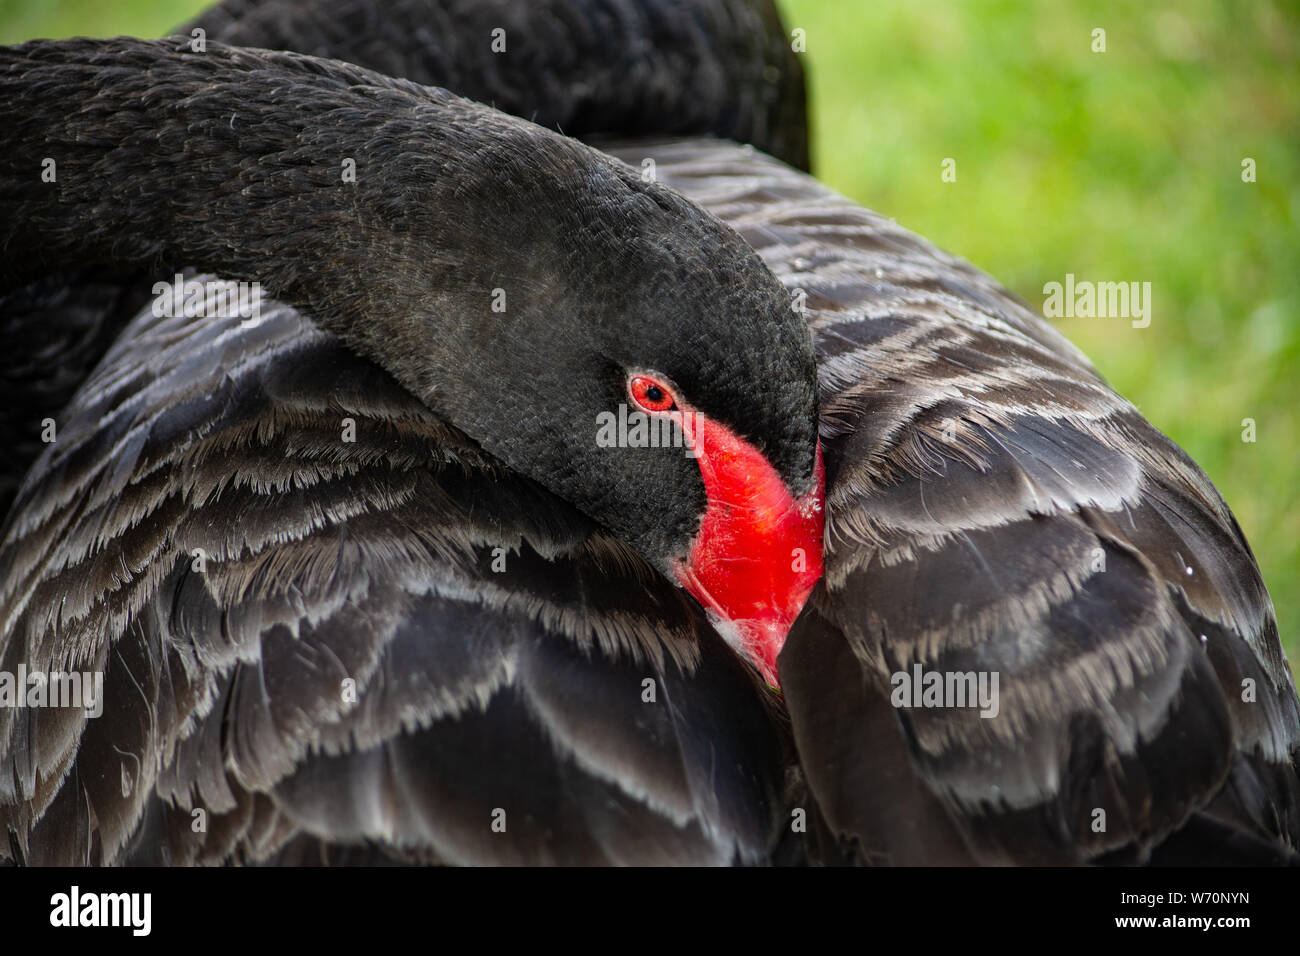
758, 553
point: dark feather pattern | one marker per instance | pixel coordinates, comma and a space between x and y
589, 69
369, 561
992, 505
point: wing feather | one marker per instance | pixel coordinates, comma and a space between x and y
994, 506
321, 645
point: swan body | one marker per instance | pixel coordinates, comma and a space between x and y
431, 644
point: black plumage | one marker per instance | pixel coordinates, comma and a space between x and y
991, 505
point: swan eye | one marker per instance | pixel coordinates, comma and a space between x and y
650, 395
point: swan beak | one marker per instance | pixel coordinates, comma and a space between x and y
758, 553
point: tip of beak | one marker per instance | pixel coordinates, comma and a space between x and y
761, 642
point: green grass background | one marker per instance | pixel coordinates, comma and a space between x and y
1115, 166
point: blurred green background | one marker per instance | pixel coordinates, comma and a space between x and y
1117, 166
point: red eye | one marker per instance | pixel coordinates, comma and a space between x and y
650, 395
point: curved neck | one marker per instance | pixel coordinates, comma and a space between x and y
387, 211
505, 276
589, 68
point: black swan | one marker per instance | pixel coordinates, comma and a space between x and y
366, 586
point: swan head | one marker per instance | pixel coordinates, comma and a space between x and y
649, 368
